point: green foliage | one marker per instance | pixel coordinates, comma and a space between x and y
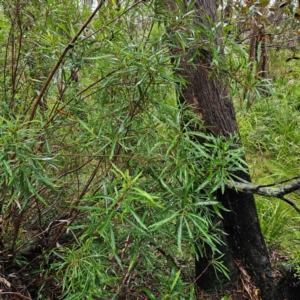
226, 298
108, 148
270, 128
155, 204
270, 135
273, 218
111, 155
247, 85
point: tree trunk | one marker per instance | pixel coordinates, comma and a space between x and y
245, 246
245, 242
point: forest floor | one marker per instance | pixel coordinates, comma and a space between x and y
23, 282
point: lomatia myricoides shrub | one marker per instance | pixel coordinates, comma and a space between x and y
103, 179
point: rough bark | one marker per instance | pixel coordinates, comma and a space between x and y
245, 242
245, 245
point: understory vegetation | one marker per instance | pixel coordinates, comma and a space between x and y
105, 190
270, 134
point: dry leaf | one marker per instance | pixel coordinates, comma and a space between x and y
5, 281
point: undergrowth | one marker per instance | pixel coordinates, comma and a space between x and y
270, 132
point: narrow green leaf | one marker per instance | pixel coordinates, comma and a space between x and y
133, 260
156, 225
179, 233
149, 293
138, 220
175, 280
106, 222
148, 196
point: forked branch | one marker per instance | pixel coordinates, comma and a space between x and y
269, 190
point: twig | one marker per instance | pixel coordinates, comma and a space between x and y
54, 69
290, 203
16, 293
200, 274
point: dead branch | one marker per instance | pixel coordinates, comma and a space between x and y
268, 190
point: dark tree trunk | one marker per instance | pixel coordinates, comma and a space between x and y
245, 242
245, 246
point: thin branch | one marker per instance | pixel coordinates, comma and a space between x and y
68, 47
113, 20
265, 190
16, 294
56, 109
268, 191
200, 274
280, 182
290, 203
